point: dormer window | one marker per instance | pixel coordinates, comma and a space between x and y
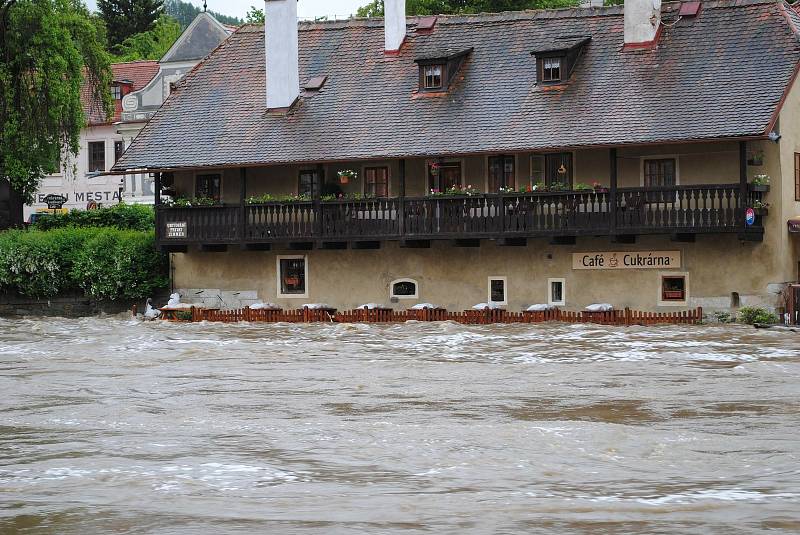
116, 92
556, 58
438, 68
551, 70
432, 76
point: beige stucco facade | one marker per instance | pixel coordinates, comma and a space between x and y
721, 271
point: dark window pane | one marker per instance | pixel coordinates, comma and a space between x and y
501, 172
97, 156
498, 290
376, 181
119, 148
293, 276
558, 169
659, 173
208, 187
673, 289
557, 291
404, 288
309, 183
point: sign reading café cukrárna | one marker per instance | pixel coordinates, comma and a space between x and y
627, 260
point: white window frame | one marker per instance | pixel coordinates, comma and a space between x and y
416, 289
278, 276
550, 300
675, 157
661, 276
489, 290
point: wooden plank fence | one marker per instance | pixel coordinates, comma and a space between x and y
467, 317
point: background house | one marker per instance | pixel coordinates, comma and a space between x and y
139, 89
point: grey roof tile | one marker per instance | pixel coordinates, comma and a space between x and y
721, 74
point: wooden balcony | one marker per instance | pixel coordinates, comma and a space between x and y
680, 210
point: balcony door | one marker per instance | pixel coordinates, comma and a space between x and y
443, 176
501, 172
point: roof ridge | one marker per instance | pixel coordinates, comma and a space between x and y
505, 16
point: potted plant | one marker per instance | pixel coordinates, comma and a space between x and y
540, 186
599, 188
580, 186
756, 158
346, 175
760, 208
760, 183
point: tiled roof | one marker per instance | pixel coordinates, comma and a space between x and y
139, 73
719, 75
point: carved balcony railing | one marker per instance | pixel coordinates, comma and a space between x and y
664, 210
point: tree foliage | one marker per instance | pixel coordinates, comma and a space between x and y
254, 16
49, 50
125, 18
152, 44
184, 13
452, 7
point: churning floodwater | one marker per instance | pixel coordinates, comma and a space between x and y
109, 425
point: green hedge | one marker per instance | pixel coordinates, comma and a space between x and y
103, 263
121, 216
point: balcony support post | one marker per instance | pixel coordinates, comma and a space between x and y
316, 204
741, 205
613, 202
242, 203
401, 192
157, 203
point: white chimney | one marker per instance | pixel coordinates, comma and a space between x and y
642, 20
280, 39
394, 13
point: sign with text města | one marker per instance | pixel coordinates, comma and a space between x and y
54, 202
627, 260
176, 229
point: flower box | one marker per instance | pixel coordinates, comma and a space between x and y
762, 188
761, 211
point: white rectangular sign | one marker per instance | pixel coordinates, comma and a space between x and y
176, 229
627, 260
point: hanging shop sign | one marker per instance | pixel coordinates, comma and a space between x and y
627, 260
794, 225
749, 216
55, 202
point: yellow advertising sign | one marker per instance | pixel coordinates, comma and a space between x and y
627, 260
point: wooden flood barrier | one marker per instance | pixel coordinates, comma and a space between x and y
468, 317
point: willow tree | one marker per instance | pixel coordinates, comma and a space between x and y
51, 51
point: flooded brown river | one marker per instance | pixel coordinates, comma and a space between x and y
114, 426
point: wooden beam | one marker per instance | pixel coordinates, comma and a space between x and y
612, 191
742, 183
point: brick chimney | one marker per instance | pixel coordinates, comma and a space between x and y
283, 66
642, 21
394, 12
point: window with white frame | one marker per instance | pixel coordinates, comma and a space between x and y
404, 289
498, 290
292, 276
556, 292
